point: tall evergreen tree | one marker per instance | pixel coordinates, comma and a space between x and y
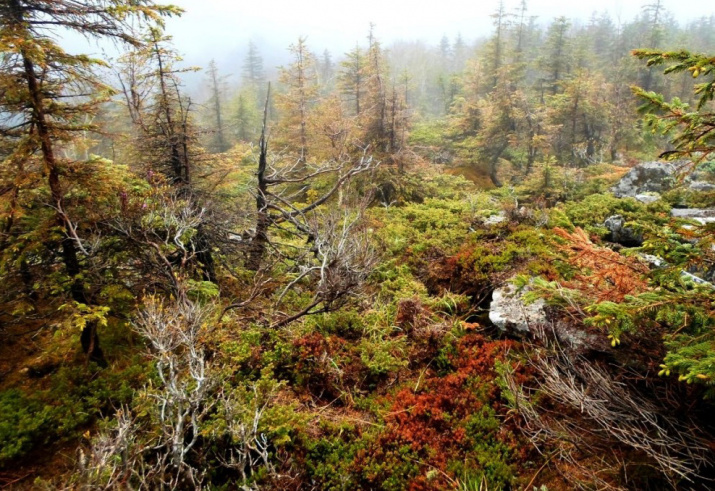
48, 91
556, 59
215, 103
351, 79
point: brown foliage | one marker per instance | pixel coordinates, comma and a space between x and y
432, 417
601, 272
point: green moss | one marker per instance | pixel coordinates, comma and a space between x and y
348, 324
591, 212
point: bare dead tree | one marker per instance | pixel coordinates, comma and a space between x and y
339, 262
114, 456
249, 448
278, 187
183, 401
156, 455
161, 233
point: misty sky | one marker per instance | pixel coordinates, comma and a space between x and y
221, 28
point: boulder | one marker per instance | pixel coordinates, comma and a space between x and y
510, 313
496, 219
696, 274
620, 234
701, 186
647, 198
701, 215
644, 178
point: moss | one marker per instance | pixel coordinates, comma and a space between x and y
347, 324
591, 212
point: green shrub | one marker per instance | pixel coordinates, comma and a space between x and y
24, 423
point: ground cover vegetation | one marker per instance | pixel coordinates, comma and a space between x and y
293, 284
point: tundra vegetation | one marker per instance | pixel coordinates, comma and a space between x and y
293, 283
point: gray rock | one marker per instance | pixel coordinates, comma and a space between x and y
495, 219
646, 177
569, 335
509, 312
701, 186
620, 234
701, 215
698, 276
648, 198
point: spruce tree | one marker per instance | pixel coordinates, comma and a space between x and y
49, 91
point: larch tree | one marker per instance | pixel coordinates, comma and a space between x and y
167, 140
300, 79
48, 91
277, 201
580, 115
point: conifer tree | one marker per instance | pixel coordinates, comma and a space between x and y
252, 72
374, 116
351, 80
48, 91
215, 104
253, 75
653, 15
245, 118
167, 140
327, 73
556, 59
496, 45
300, 80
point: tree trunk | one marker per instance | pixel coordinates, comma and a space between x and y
69, 248
494, 165
260, 238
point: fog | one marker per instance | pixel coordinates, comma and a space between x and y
221, 29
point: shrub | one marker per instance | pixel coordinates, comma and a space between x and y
24, 422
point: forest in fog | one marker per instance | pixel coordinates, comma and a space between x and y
486, 263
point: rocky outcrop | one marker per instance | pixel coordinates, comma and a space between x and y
648, 198
648, 177
702, 186
620, 233
510, 313
701, 215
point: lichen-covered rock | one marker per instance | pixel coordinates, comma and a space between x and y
648, 198
653, 177
702, 186
496, 219
701, 215
509, 312
620, 234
